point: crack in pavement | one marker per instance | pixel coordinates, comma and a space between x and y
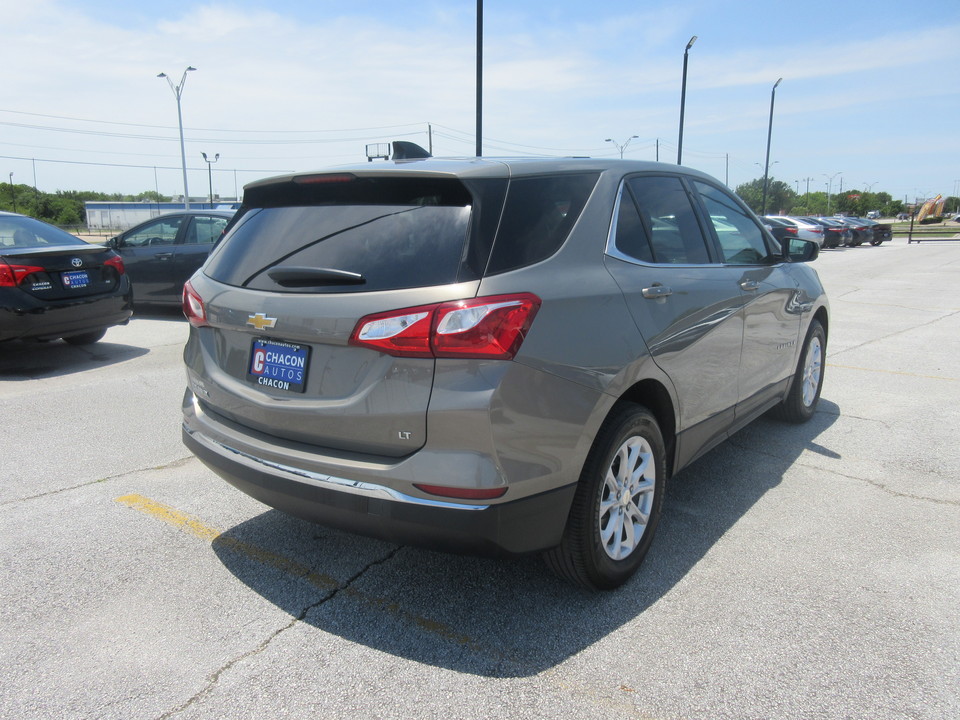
214, 679
179, 462
873, 483
331, 588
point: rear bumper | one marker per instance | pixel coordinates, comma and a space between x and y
366, 507
29, 318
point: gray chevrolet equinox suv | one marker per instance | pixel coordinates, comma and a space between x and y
493, 356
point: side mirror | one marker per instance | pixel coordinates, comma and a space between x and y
114, 243
796, 250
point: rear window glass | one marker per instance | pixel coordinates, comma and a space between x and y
390, 233
537, 217
26, 232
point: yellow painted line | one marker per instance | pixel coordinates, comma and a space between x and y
170, 516
198, 529
894, 372
194, 527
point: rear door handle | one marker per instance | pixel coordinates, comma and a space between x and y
750, 285
164, 256
657, 291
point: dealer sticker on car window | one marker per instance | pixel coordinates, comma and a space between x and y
75, 279
279, 365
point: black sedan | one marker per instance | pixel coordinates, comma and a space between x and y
162, 253
54, 285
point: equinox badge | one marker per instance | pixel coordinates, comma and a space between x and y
260, 321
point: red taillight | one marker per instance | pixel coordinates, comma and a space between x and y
791, 231
13, 275
488, 327
324, 179
117, 264
193, 308
462, 493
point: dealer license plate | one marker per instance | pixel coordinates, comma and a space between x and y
75, 279
279, 365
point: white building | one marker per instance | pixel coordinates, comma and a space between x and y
118, 216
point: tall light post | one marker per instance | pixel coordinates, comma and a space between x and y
623, 147
683, 98
766, 169
479, 140
210, 173
830, 186
177, 92
869, 186
13, 193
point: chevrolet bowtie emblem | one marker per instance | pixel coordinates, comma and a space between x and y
261, 321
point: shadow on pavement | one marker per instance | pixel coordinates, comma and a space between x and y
504, 618
21, 360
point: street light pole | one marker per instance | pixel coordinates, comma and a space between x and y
479, 140
683, 98
620, 147
830, 186
210, 173
766, 169
177, 92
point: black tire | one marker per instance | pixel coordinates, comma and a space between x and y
801, 401
87, 338
599, 551
875, 242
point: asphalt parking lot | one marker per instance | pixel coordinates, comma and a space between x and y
799, 571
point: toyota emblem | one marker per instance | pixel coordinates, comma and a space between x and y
77, 262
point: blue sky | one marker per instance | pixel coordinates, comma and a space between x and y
870, 96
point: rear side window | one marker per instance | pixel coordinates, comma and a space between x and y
537, 217
381, 233
205, 230
669, 220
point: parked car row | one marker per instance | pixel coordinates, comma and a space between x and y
831, 232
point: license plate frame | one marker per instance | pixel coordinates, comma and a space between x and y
279, 365
75, 279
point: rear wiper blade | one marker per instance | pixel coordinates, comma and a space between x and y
294, 277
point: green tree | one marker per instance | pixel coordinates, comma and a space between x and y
780, 196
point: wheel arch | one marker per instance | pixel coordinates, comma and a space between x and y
821, 316
656, 398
